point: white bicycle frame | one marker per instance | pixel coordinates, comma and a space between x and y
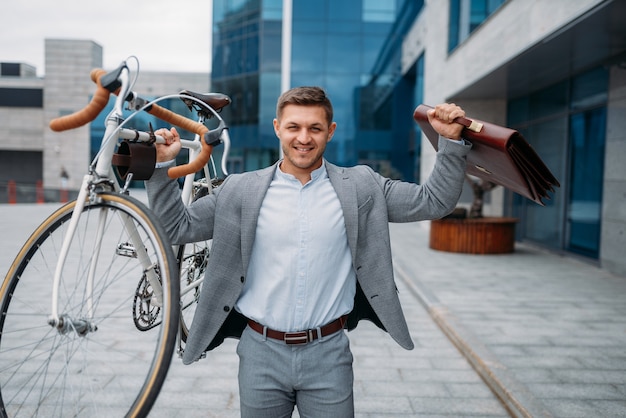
187, 189
103, 172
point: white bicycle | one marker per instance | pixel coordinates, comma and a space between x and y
90, 309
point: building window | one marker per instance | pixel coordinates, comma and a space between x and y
24, 167
566, 124
466, 16
586, 177
378, 11
9, 69
334, 44
17, 97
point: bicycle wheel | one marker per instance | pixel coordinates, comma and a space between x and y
193, 259
100, 364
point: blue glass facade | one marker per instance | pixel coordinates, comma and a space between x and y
566, 124
141, 121
351, 48
466, 16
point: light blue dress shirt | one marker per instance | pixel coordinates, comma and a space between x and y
300, 274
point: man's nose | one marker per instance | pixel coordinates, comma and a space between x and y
303, 136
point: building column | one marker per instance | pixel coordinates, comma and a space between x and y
613, 239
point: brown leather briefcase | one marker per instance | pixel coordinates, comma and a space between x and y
500, 155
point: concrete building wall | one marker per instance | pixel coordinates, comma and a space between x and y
22, 127
499, 39
67, 87
512, 30
613, 241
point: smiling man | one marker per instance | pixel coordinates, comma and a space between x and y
301, 252
303, 131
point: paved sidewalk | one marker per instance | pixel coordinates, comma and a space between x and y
433, 380
547, 334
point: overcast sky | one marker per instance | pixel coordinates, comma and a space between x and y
166, 35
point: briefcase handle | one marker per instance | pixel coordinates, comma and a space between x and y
472, 125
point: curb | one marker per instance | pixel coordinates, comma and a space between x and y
514, 395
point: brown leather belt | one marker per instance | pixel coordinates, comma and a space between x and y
299, 337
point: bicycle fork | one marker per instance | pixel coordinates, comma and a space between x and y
82, 326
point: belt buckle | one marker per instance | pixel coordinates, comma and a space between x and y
298, 338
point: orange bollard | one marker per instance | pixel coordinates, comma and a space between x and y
39, 191
12, 191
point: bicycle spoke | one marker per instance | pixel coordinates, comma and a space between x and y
85, 365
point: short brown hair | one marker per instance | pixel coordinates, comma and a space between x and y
305, 96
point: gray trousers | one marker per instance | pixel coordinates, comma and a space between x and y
316, 377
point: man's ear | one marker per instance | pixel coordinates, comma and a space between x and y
276, 126
331, 131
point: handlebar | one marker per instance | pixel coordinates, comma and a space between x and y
89, 112
99, 102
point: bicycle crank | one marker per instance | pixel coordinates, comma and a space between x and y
146, 309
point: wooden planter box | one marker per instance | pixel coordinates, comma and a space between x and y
473, 236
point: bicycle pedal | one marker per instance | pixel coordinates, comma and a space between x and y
126, 249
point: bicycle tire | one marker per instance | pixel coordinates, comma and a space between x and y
115, 370
192, 260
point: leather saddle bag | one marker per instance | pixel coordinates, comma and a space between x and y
138, 158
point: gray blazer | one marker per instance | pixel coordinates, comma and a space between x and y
369, 202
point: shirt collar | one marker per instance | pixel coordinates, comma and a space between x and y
318, 173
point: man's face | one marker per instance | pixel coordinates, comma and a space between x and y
303, 132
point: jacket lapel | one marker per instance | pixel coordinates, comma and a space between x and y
253, 194
346, 192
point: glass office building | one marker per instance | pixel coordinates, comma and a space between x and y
351, 48
566, 123
378, 59
556, 73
